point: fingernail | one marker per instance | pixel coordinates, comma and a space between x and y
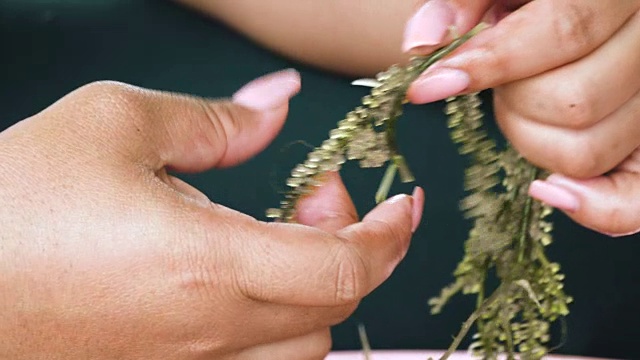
566, 182
412, 205
270, 91
400, 198
418, 206
438, 84
554, 195
406, 200
428, 26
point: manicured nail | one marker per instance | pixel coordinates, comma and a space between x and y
404, 199
400, 198
438, 84
428, 26
567, 182
418, 206
270, 91
554, 195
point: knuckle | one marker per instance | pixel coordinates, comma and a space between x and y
249, 267
245, 284
572, 24
195, 276
120, 104
558, 99
350, 276
571, 152
103, 86
202, 269
80, 115
501, 66
198, 279
110, 93
223, 121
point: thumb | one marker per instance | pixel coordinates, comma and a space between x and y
225, 133
430, 26
184, 133
314, 268
608, 204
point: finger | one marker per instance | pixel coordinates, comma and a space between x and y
182, 132
329, 207
294, 264
582, 93
608, 204
223, 133
511, 50
430, 27
418, 207
314, 346
581, 153
291, 319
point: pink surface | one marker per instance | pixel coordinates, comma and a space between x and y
422, 355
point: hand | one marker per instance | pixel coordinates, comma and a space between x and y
566, 75
104, 255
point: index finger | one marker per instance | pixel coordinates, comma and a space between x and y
300, 265
539, 36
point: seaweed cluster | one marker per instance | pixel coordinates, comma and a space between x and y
508, 238
510, 230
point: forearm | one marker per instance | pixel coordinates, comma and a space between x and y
352, 37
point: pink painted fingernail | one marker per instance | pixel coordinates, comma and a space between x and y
269, 91
554, 195
428, 26
400, 198
438, 84
418, 206
407, 202
567, 182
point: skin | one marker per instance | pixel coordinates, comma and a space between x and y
567, 96
104, 255
565, 74
100, 245
357, 38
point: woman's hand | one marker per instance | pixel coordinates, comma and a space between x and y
104, 255
566, 75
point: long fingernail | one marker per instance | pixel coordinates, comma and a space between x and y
566, 182
554, 195
270, 91
418, 206
404, 199
400, 198
438, 84
428, 26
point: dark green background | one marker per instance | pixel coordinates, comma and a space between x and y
48, 48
